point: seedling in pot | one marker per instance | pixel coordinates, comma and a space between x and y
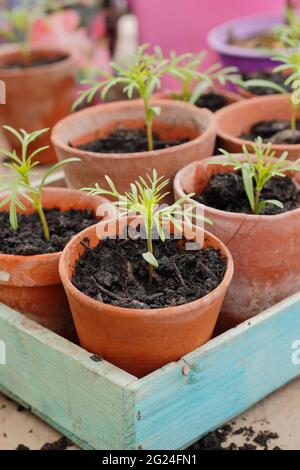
17, 22
195, 82
290, 66
142, 76
289, 32
257, 171
21, 186
144, 199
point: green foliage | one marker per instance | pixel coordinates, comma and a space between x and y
290, 66
195, 82
17, 22
258, 171
144, 199
289, 32
19, 186
142, 76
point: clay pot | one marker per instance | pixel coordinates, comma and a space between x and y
140, 341
235, 119
36, 97
177, 120
31, 284
230, 96
265, 249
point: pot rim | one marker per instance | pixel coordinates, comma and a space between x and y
7, 49
113, 309
245, 103
58, 129
234, 215
219, 91
47, 256
217, 44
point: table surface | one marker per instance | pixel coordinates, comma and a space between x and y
279, 413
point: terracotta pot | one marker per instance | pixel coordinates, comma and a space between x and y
36, 97
238, 118
140, 341
177, 120
265, 249
31, 284
229, 95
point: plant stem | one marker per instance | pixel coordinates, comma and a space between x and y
186, 90
294, 117
150, 248
43, 222
149, 135
256, 201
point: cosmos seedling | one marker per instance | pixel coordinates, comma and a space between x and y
290, 66
195, 82
142, 76
258, 171
144, 199
21, 187
17, 22
289, 32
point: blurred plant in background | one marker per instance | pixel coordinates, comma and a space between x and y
78, 26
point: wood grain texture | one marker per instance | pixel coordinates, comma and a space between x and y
101, 407
58, 380
227, 376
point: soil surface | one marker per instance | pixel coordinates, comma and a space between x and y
226, 192
277, 78
212, 101
277, 132
216, 440
32, 63
29, 239
115, 272
125, 140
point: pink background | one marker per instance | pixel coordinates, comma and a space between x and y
183, 25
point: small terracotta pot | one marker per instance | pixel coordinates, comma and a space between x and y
140, 341
265, 249
235, 119
229, 95
177, 120
36, 97
31, 284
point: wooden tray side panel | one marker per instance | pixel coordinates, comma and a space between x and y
60, 382
227, 376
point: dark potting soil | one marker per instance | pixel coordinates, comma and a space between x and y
226, 192
61, 444
125, 140
33, 63
29, 238
277, 78
115, 272
277, 132
212, 101
216, 440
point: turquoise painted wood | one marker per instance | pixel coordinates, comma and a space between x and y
99, 406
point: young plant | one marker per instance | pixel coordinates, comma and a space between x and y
195, 82
257, 171
144, 199
290, 66
17, 22
21, 186
289, 32
142, 76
